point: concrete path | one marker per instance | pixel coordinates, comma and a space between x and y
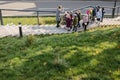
13, 30
49, 5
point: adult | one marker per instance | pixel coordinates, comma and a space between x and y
58, 18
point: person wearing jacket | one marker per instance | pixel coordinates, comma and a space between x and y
103, 12
58, 18
68, 21
79, 18
99, 15
85, 22
75, 22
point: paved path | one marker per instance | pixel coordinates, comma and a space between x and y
49, 5
13, 30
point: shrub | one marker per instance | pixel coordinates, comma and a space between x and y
30, 40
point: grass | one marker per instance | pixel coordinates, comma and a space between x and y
33, 20
91, 55
29, 20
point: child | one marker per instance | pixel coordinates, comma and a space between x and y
75, 22
85, 22
99, 15
68, 21
79, 18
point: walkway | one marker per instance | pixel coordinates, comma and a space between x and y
13, 30
50, 5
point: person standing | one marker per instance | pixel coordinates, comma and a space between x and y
88, 12
58, 18
79, 18
103, 12
94, 14
75, 22
68, 21
85, 22
99, 15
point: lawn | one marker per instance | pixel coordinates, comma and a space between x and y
33, 20
90, 55
29, 20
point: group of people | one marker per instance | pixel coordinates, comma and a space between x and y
72, 18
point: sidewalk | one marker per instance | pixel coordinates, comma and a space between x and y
13, 30
49, 5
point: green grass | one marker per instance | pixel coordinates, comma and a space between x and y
33, 20
28, 20
91, 55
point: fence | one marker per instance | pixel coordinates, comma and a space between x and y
36, 11
53, 11
106, 9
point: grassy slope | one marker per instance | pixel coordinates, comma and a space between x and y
91, 55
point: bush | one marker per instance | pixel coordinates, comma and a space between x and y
30, 40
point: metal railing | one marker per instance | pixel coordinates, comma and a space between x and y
52, 11
36, 11
106, 7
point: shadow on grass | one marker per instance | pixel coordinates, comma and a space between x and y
73, 58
